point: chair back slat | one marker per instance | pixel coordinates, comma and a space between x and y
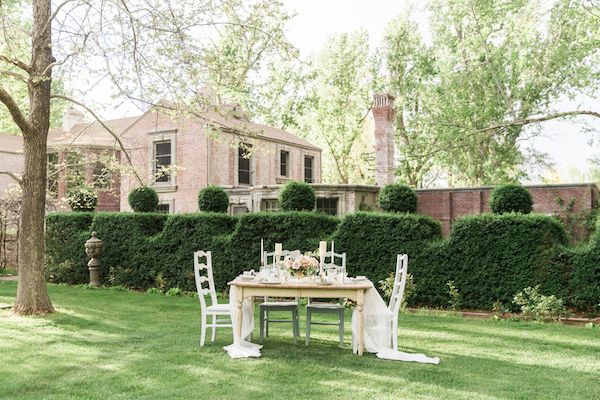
337, 260
203, 279
399, 283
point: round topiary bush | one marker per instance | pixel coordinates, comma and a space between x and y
398, 198
214, 199
511, 198
143, 199
82, 199
297, 196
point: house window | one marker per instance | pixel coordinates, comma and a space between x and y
236, 210
101, 175
269, 205
328, 205
284, 163
164, 208
308, 169
162, 161
243, 166
74, 170
53, 175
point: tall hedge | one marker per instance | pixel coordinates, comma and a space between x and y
372, 240
66, 233
492, 257
294, 229
489, 257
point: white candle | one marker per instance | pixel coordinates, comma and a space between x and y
278, 249
322, 251
262, 253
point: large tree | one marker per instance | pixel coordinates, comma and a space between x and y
491, 69
153, 52
338, 101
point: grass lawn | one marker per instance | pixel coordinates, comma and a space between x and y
108, 344
7, 271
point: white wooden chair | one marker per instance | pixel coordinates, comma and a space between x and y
266, 306
328, 308
215, 309
398, 294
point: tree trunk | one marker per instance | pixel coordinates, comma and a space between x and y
32, 295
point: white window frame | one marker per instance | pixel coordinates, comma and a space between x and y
290, 163
154, 138
237, 166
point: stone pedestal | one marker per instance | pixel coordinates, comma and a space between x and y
93, 249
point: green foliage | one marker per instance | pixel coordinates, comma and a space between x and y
489, 257
297, 196
339, 98
143, 199
295, 230
373, 240
535, 305
454, 294
386, 287
174, 292
213, 199
511, 198
82, 199
398, 198
153, 291
464, 96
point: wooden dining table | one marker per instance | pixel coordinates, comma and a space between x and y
354, 290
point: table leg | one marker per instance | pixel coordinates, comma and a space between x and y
238, 328
361, 321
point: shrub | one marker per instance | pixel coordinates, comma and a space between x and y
372, 241
64, 272
295, 230
454, 294
491, 257
297, 196
213, 199
82, 199
535, 305
386, 288
398, 198
143, 199
511, 198
153, 291
174, 292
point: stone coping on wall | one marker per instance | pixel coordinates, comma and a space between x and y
535, 186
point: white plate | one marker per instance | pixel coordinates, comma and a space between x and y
246, 278
359, 279
269, 282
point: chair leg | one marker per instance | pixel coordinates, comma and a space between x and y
202, 329
214, 328
308, 316
267, 323
341, 320
262, 324
295, 327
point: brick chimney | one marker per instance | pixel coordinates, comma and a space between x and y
383, 114
71, 117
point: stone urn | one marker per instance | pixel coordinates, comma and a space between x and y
93, 249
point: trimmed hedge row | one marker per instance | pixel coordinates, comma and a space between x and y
489, 257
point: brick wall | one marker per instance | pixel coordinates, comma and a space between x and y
446, 205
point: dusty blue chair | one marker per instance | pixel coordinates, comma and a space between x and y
277, 306
328, 308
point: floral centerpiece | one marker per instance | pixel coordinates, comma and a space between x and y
301, 266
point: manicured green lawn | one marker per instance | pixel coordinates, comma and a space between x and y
107, 344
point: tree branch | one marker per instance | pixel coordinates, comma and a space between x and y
15, 62
12, 175
15, 112
527, 121
97, 118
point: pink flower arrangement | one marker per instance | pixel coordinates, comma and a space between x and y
301, 265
